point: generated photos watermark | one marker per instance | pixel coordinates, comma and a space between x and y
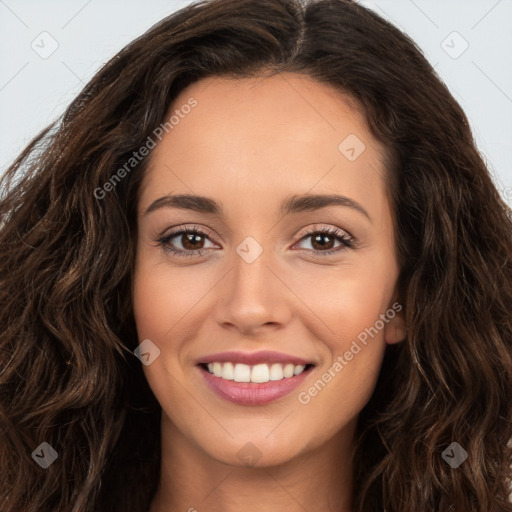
143, 151
304, 397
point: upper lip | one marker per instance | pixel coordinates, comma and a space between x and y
253, 358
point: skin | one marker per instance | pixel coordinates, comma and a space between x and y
249, 144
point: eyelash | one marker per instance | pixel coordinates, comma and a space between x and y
347, 242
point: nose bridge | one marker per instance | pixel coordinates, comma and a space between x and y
251, 275
252, 295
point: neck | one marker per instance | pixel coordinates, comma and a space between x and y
192, 481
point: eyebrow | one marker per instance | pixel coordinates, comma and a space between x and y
293, 204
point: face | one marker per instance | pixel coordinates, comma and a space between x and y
261, 282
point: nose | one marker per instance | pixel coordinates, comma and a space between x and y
253, 296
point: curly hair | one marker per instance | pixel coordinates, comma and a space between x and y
68, 375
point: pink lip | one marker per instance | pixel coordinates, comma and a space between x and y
249, 393
253, 358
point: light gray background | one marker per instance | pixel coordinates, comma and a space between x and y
36, 87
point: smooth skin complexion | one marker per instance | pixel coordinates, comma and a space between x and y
250, 145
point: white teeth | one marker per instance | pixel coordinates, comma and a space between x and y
242, 373
276, 372
227, 371
298, 369
259, 373
288, 371
217, 369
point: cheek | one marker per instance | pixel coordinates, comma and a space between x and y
349, 324
345, 301
162, 296
354, 348
153, 306
160, 299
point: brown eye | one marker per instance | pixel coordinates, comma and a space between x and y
191, 240
323, 241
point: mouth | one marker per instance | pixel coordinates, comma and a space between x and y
253, 379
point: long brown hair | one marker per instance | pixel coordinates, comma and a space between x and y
68, 375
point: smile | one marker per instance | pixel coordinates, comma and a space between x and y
253, 378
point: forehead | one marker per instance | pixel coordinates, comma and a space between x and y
250, 138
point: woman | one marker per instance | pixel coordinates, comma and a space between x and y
259, 264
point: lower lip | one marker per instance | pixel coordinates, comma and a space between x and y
249, 393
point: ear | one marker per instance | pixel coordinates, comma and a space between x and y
395, 329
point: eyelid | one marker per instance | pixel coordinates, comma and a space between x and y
187, 227
323, 227
204, 230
